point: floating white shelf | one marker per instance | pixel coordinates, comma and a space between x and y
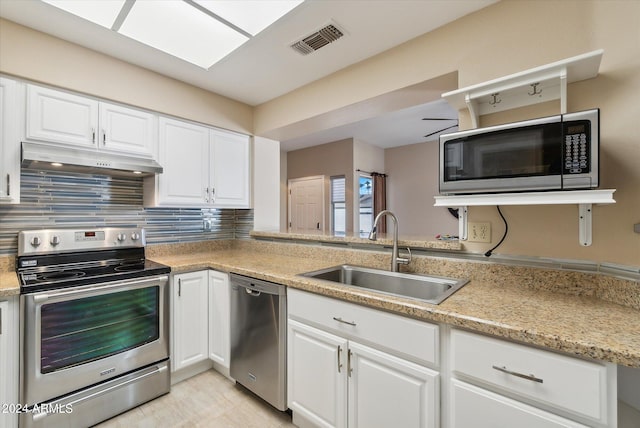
536, 85
583, 198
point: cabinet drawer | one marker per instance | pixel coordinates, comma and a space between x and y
406, 337
476, 408
576, 386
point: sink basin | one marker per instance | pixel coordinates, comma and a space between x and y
427, 288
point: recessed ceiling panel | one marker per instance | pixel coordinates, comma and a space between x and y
101, 12
252, 16
181, 30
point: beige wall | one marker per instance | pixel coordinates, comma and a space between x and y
505, 38
412, 183
329, 159
36, 56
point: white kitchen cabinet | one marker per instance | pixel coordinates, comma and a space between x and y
386, 391
230, 169
219, 318
190, 319
575, 389
9, 362
200, 322
203, 167
184, 155
335, 380
316, 375
9, 143
475, 407
63, 118
128, 131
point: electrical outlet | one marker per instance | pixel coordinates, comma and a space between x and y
479, 232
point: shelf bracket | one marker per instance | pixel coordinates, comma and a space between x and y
473, 110
563, 91
462, 223
584, 224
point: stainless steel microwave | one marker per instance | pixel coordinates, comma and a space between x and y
551, 153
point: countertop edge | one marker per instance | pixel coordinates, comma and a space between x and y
405, 307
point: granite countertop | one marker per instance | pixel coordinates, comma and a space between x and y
579, 325
582, 326
383, 240
9, 285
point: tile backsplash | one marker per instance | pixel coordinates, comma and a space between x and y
73, 200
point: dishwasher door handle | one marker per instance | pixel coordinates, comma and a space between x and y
253, 293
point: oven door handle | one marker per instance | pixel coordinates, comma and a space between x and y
104, 288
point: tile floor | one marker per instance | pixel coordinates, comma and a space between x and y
207, 400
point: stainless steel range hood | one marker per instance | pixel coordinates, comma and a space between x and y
56, 158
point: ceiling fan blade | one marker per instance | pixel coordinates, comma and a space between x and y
438, 118
443, 129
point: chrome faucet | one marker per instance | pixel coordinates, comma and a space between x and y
396, 260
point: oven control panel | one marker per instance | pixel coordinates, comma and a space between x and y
67, 240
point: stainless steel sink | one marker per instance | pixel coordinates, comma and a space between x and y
428, 288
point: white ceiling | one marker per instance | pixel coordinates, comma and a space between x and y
397, 128
266, 67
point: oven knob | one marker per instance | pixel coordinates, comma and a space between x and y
121, 237
36, 241
55, 240
135, 236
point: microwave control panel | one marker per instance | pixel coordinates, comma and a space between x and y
576, 148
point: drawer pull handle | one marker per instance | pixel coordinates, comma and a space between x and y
523, 376
344, 322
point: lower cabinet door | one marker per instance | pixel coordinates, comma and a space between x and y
219, 322
190, 317
386, 391
474, 407
316, 377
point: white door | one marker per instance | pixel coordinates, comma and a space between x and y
60, 117
126, 130
184, 155
306, 205
219, 321
190, 319
474, 407
316, 375
230, 170
9, 143
386, 391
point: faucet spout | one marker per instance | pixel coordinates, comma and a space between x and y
396, 260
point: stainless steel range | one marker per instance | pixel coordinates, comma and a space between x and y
94, 325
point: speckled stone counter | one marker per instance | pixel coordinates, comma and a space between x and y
9, 285
568, 319
383, 240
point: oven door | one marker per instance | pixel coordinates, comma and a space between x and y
77, 337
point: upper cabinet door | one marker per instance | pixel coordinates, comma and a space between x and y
126, 130
184, 154
60, 117
9, 143
230, 170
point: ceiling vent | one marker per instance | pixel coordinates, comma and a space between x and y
317, 40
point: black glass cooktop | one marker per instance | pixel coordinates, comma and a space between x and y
40, 273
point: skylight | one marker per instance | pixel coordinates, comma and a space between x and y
201, 32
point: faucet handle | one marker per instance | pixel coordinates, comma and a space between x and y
405, 260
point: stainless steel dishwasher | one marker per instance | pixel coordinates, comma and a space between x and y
259, 338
